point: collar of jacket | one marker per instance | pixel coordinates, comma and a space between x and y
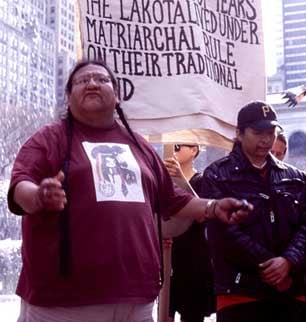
241, 162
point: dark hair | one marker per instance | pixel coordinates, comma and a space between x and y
281, 137
236, 143
177, 148
83, 63
241, 129
198, 152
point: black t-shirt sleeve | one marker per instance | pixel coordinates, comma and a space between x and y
196, 181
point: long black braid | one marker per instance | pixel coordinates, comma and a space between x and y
159, 223
65, 241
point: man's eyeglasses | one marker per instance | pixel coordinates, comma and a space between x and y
177, 147
98, 79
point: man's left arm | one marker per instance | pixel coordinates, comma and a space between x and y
277, 269
295, 252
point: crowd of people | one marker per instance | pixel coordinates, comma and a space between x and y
258, 265
90, 191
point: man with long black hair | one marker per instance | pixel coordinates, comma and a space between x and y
89, 189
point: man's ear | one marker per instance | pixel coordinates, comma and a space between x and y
67, 100
195, 150
116, 96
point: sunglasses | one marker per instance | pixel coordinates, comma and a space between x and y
177, 147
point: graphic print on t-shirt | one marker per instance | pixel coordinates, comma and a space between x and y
116, 173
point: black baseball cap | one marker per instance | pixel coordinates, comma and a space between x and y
257, 115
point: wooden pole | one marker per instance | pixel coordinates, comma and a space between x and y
78, 38
164, 295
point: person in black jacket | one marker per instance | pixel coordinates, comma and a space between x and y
258, 265
191, 284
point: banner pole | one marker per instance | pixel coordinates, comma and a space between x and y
78, 36
164, 295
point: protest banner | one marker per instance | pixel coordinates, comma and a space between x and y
181, 64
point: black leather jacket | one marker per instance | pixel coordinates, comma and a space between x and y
276, 226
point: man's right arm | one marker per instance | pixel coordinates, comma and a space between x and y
235, 238
48, 195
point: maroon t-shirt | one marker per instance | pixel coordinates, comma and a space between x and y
114, 191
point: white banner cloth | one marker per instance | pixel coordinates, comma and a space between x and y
181, 64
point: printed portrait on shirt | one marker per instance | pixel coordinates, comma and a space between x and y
116, 172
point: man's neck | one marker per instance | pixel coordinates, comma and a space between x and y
259, 166
258, 163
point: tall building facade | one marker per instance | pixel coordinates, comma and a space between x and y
294, 24
274, 45
27, 82
278, 33
61, 18
26, 54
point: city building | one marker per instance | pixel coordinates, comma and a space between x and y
26, 54
294, 24
274, 45
60, 16
275, 82
278, 34
27, 83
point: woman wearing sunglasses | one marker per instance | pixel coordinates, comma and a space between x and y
191, 285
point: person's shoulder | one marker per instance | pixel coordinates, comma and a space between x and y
56, 126
145, 145
222, 162
143, 141
196, 176
218, 168
196, 181
46, 133
284, 171
291, 171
